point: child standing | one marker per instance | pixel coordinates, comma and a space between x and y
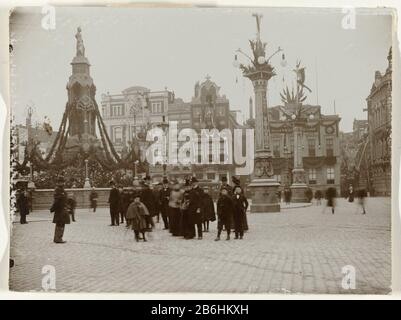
137, 216
225, 208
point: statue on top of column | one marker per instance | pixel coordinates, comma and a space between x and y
80, 43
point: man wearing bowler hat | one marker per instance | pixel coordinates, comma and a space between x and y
225, 185
59, 207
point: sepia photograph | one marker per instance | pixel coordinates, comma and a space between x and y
201, 150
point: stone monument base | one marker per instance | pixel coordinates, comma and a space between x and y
298, 192
264, 195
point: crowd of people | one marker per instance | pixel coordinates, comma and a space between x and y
184, 207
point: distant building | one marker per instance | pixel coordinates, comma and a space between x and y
374, 156
25, 133
136, 109
320, 146
350, 143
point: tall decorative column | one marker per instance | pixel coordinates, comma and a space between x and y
299, 185
263, 186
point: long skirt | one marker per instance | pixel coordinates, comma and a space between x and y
175, 221
187, 225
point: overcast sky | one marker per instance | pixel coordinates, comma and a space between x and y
174, 48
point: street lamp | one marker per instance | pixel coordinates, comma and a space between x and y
164, 126
87, 184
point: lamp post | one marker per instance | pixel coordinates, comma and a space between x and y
164, 126
87, 184
263, 185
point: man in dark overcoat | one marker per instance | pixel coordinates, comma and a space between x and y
225, 209
59, 208
208, 211
114, 203
148, 199
22, 205
195, 205
164, 200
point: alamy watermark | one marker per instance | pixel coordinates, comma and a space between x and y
209, 146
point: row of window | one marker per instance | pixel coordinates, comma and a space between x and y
118, 110
379, 114
311, 147
312, 179
330, 178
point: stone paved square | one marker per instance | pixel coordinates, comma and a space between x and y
299, 250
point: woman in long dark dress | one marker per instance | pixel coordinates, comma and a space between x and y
175, 211
208, 211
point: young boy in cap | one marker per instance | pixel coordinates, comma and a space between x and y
137, 215
225, 208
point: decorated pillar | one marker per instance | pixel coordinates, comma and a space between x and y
299, 186
263, 186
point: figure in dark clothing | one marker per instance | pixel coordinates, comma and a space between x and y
361, 199
208, 211
93, 199
331, 194
121, 206
287, 195
71, 205
23, 205
195, 206
239, 214
59, 207
157, 205
126, 198
114, 203
136, 214
164, 200
148, 199
318, 197
174, 205
351, 194
187, 226
225, 209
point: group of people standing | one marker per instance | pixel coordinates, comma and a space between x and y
186, 208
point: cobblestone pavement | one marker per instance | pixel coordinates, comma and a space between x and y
296, 251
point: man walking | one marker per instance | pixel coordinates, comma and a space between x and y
61, 216
114, 203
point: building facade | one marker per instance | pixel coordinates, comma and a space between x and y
320, 146
129, 114
374, 156
350, 144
